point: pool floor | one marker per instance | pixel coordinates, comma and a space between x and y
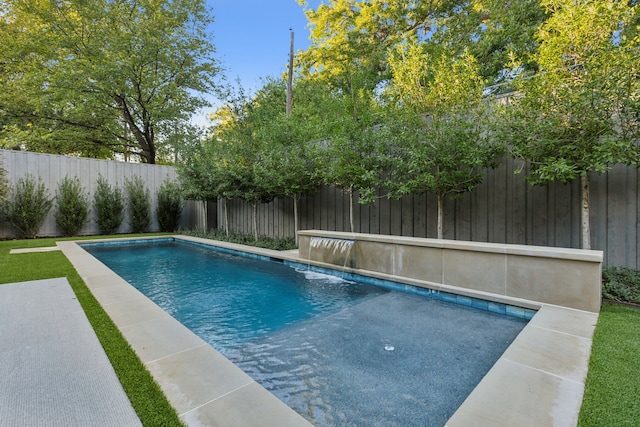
393, 360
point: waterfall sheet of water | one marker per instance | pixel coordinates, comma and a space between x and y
333, 251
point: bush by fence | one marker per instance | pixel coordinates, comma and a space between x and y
52, 169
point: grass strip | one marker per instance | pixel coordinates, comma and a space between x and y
613, 386
145, 395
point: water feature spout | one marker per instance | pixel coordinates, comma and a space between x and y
333, 251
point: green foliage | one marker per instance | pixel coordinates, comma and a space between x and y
274, 243
437, 124
65, 90
5, 190
575, 116
108, 205
73, 206
28, 205
612, 387
621, 284
350, 35
138, 204
145, 395
579, 114
169, 207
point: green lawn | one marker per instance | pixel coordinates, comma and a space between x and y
612, 395
612, 387
147, 399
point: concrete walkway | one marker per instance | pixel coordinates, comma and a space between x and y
53, 370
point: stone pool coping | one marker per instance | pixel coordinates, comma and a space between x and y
538, 381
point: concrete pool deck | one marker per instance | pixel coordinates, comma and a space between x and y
54, 371
538, 381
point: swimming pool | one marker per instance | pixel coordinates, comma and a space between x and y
367, 357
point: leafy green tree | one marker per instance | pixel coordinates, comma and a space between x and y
138, 204
348, 34
29, 205
103, 77
290, 160
356, 152
580, 113
169, 207
491, 31
201, 174
72, 206
239, 150
437, 118
108, 205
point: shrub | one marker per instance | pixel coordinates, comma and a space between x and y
621, 284
28, 205
5, 189
138, 204
274, 243
73, 206
108, 205
169, 206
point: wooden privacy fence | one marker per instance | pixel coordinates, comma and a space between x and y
53, 168
505, 208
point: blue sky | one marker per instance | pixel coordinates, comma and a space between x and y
252, 38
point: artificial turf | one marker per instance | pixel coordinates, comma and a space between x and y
145, 395
612, 388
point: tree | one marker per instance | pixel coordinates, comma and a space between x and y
436, 124
492, 31
29, 205
73, 206
356, 153
169, 207
103, 77
138, 204
201, 174
108, 205
237, 151
579, 114
361, 33
290, 163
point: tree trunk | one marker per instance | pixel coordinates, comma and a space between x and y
351, 208
205, 213
440, 209
586, 229
296, 197
255, 220
226, 217
144, 139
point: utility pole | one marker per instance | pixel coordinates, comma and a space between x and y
290, 77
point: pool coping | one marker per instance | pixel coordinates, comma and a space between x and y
538, 381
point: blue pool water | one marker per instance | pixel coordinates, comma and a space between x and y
340, 353
227, 299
